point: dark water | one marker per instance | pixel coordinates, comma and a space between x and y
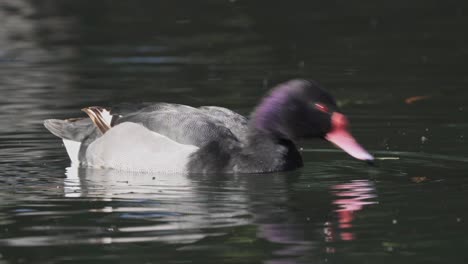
59, 56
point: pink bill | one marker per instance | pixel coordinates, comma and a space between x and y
340, 136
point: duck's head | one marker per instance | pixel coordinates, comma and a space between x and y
303, 109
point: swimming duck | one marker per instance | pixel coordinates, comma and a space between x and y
162, 137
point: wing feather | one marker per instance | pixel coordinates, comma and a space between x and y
189, 125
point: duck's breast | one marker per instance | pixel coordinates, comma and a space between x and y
132, 147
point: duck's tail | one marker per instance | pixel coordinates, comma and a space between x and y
74, 131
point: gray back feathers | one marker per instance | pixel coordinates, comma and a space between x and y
184, 124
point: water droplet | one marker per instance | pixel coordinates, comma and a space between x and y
424, 139
301, 64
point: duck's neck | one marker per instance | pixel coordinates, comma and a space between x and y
271, 151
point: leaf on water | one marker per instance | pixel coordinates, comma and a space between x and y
413, 99
419, 179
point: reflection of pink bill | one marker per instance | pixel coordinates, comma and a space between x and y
351, 198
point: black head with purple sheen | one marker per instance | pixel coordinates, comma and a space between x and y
295, 109
303, 109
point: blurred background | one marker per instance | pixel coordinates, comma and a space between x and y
398, 69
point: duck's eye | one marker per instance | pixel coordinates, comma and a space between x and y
321, 108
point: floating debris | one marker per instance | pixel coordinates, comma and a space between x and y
419, 179
414, 99
387, 158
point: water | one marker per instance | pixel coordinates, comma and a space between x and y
59, 56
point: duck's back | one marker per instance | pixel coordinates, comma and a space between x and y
153, 137
188, 125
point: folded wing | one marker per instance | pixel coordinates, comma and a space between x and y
189, 125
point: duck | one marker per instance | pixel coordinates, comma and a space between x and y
175, 138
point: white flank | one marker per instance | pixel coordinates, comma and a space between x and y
73, 148
132, 147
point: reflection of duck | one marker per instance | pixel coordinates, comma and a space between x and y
167, 209
177, 138
185, 208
